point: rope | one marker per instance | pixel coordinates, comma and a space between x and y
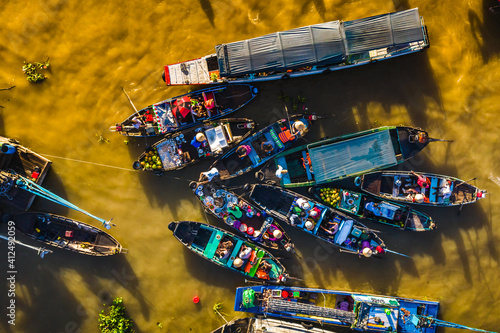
110, 166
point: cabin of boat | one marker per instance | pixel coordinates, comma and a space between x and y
375, 209
438, 190
280, 136
240, 215
360, 312
346, 156
313, 49
177, 113
21, 161
316, 219
229, 251
189, 146
66, 233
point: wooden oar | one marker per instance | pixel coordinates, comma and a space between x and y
391, 251
132, 104
442, 140
465, 181
287, 115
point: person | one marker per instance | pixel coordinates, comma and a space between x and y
238, 262
302, 203
265, 266
223, 250
136, 122
295, 219
444, 190
331, 227
416, 197
209, 175
374, 208
198, 140
243, 150
280, 172
267, 147
298, 127
245, 252
421, 180
344, 305
309, 225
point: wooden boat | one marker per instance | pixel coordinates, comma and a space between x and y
280, 136
403, 186
185, 111
66, 233
374, 209
357, 311
345, 156
241, 216
317, 220
268, 325
180, 149
17, 159
313, 49
225, 250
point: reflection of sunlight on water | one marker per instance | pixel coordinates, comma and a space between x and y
95, 48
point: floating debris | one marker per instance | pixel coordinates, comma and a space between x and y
31, 70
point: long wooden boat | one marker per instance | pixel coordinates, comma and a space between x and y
346, 156
185, 111
229, 251
269, 325
67, 234
438, 190
281, 135
313, 49
243, 217
357, 311
374, 209
180, 149
17, 159
316, 219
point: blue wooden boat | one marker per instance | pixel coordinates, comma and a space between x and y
226, 250
359, 312
181, 149
374, 209
313, 49
241, 216
403, 186
185, 111
280, 136
316, 219
268, 325
346, 156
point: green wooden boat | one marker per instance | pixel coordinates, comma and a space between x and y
374, 209
226, 250
345, 156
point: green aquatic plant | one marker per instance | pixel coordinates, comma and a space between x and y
31, 70
218, 309
101, 139
117, 321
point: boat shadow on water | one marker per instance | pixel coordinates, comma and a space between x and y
485, 27
48, 279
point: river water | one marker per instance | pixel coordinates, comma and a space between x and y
97, 47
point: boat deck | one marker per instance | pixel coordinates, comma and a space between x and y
23, 162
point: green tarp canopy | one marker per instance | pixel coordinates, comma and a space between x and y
366, 153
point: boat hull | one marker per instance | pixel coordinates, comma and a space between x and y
389, 213
181, 149
67, 234
206, 241
401, 186
327, 224
242, 217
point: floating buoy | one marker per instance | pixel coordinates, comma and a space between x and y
196, 300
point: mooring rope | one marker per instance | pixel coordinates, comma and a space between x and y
109, 166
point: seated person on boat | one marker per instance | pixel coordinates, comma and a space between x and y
243, 151
198, 140
267, 147
224, 249
245, 252
330, 227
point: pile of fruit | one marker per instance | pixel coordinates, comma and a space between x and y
152, 160
330, 196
